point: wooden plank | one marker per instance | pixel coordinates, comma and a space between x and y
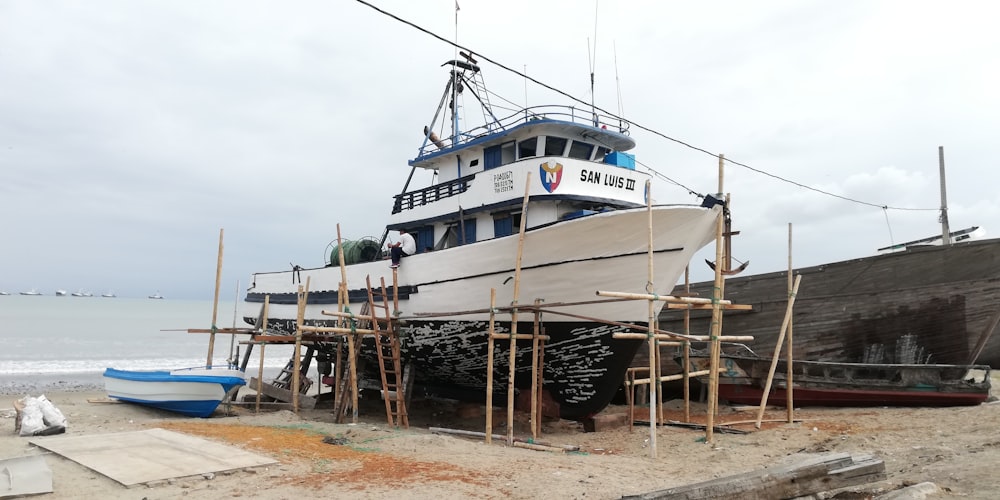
808, 475
305, 402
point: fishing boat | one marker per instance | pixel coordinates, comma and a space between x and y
109, 294
195, 392
857, 311
156, 295
586, 228
820, 383
60, 293
33, 291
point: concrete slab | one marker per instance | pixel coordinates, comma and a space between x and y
139, 457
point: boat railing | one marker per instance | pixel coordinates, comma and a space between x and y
430, 194
547, 112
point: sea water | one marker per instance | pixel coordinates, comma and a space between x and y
65, 343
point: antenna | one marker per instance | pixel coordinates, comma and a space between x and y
618, 87
593, 63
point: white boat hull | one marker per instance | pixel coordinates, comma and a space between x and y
193, 392
567, 262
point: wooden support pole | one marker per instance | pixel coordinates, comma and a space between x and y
513, 313
670, 378
535, 390
490, 335
662, 298
653, 346
303, 298
697, 338
215, 303
686, 348
789, 396
777, 348
263, 328
716, 330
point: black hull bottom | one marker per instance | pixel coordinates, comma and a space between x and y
584, 367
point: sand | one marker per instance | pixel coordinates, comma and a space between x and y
957, 448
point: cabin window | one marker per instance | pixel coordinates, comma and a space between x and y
451, 238
508, 153
492, 157
555, 146
580, 150
505, 224
527, 148
601, 153
425, 239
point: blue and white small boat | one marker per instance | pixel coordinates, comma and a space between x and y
195, 392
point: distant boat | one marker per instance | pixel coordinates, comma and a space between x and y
78, 293
820, 383
3, 293
88, 294
194, 392
60, 293
156, 295
31, 292
109, 294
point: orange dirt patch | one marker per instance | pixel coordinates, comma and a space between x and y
362, 466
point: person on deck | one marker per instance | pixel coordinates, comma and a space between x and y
405, 246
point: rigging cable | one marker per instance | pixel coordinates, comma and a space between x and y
637, 125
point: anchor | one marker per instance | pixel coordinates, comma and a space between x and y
727, 246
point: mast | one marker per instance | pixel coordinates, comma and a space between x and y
945, 231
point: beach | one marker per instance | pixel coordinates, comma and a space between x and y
957, 449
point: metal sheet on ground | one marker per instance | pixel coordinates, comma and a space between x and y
29, 475
139, 457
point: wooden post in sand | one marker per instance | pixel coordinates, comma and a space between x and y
303, 297
215, 303
714, 345
535, 389
686, 346
789, 396
513, 312
777, 349
260, 369
489, 366
654, 346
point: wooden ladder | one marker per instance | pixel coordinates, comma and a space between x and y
284, 379
388, 348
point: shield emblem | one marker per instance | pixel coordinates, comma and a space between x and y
551, 175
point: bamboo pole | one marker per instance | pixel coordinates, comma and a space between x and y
489, 367
717, 294
697, 338
670, 378
653, 347
260, 369
789, 396
303, 297
215, 303
686, 347
663, 298
535, 397
777, 348
352, 356
513, 313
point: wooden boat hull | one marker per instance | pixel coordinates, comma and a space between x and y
938, 299
818, 383
751, 395
191, 392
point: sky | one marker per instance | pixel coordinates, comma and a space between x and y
133, 132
